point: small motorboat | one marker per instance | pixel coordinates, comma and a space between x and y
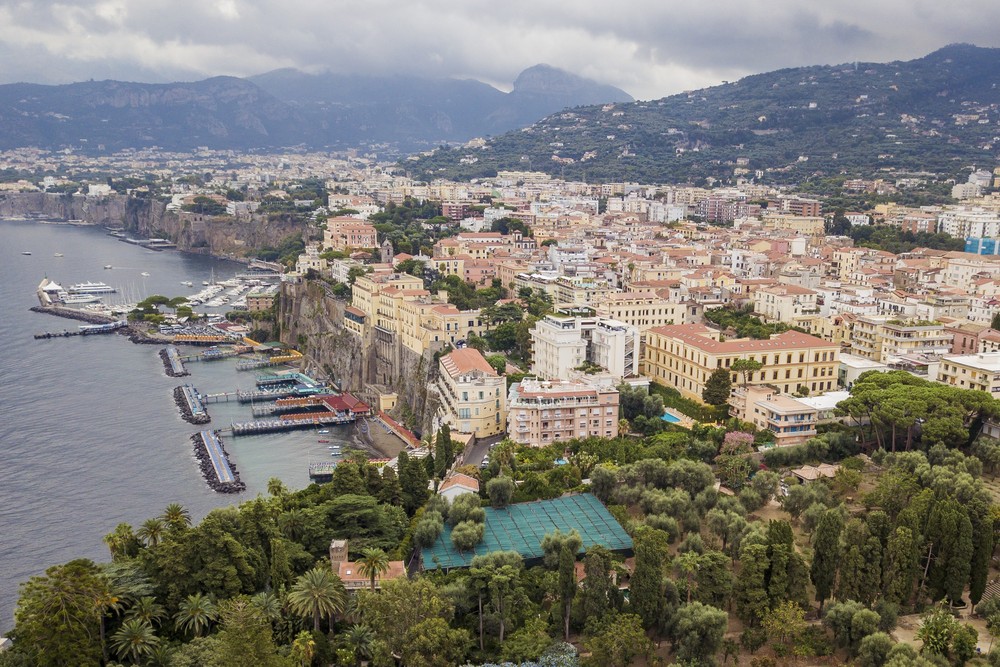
144, 274
58, 254
108, 266
324, 431
25, 252
324, 441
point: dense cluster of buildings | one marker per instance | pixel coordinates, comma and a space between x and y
631, 271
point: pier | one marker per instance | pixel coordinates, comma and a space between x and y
219, 473
291, 422
283, 405
191, 339
84, 330
172, 362
322, 472
190, 404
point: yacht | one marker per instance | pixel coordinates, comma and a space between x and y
91, 288
76, 299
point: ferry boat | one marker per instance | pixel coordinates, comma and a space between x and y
91, 288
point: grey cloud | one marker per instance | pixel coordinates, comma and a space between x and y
650, 48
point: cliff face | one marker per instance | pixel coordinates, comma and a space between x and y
144, 218
312, 321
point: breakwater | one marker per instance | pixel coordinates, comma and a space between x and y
191, 407
213, 460
172, 363
72, 314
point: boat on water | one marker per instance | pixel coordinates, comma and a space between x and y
324, 431
91, 288
145, 274
323, 441
25, 252
58, 254
77, 299
187, 283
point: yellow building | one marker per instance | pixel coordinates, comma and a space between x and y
645, 310
785, 303
684, 356
473, 395
883, 339
972, 371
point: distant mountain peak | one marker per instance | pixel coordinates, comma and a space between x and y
545, 79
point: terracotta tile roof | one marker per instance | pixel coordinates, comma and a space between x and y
698, 335
460, 480
465, 360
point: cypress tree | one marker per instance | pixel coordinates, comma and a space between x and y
750, 592
826, 553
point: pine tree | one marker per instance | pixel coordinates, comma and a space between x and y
717, 387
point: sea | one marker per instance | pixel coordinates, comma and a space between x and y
89, 433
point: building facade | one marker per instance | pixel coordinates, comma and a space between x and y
473, 395
542, 412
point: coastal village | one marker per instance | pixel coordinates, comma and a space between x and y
688, 402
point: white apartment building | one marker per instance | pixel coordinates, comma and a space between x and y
972, 371
785, 303
561, 344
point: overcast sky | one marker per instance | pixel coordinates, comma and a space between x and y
649, 48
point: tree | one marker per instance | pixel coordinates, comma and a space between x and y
400, 605
497, 578
937, 630
528, 642
176, 516
303, 648
597, 591
58, 614
718, 387
567, 583
698, 631
246, 638
688, 563
373, 564
134, 640
318, 593
433, 643
646, 587
195, 614
467, 534
784, 623
874, 650
620, 639
826, 554
750, 591
746, 367
413, 482
147, 610
500, 491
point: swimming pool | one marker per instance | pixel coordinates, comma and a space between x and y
667, 417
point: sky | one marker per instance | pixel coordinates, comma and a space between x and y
649, 48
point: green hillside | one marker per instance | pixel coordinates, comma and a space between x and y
938, 114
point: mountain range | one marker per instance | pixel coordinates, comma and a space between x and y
285, 108
939, 113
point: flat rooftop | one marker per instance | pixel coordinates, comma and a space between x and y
521, 528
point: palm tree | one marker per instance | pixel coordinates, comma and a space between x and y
269, 605
276, 488
361, 638
291, 523
160, 656
373, 564
135, 639
303, 648
196, 613
688, 563
146, 610
106, 601
505, 454
318, 593
176, 516
151, 531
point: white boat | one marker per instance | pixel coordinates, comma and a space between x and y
108, 266
91, 288
58, 254
187, 283
145, 274
76, 299
324, 431
25, 252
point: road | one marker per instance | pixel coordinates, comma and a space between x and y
475, 455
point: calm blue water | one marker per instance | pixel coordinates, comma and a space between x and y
667, 417
89, 434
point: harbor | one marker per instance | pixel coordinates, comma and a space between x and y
220, 474
190, 405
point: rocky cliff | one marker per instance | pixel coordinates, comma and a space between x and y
311, 320
221, 236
